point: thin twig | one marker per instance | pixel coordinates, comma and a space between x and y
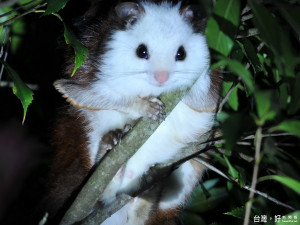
23, 14
44, 219
244, 143
8, 3
10, 84
254, 176
290, 145
245, 10
3, 41
236, 82
260, 46
2, 51
225, 99
5, 57
246, 17
247, 33
266, 135
246, 187
17, 8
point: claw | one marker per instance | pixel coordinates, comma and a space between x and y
155, 110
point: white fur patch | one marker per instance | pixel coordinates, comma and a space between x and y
124, 76
100, 123
163, 30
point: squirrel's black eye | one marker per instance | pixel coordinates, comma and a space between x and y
142, 51
181, 54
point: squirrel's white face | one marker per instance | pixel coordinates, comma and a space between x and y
158, 52
158, 48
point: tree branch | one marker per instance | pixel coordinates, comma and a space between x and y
113, 160
10, 84
246, 187
5, 44
153, 176
255, 174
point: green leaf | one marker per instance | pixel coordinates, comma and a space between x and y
237, 212
222, 116
231, 170
198, 197
251, 54
54, 6
295, 96
242, 177
19, 89
292, 16
233, 97
209, 184
199, 202
287, 181
222, 26
81, 52
292, 218
291, 126
216, 39
18, 31
240, 70
283, 95
265, 106
272, 33
192, 219
237, 53
233, 127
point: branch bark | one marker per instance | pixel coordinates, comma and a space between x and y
154, 175
255, 174
113, 160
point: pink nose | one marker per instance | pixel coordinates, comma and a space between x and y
161, 76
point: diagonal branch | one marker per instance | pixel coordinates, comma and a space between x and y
153, 176
113, 160
246, 187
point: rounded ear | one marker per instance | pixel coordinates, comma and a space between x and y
194, 15
187, 13
129, 11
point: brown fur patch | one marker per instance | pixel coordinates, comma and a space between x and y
214, 93
198, 166
164, 217
216, 83
80, 106
71, 163
212, 109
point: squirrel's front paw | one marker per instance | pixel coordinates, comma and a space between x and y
112, 138
154, 109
